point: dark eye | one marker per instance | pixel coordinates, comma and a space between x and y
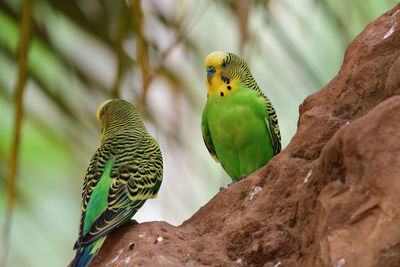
224, 65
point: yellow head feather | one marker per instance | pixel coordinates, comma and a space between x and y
99, 118
118, 114
226, 72
215, 64
215, 59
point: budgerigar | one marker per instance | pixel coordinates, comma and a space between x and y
239, 124
125, 171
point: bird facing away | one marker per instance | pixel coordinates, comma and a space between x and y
125, 171
239, 124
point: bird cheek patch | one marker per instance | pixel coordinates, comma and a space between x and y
225, 79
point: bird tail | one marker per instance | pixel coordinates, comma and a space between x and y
85, 254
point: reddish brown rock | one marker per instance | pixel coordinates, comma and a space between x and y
331, 198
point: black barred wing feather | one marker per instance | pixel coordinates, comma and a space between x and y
208, 141
271, 119
93, 174
273, 127
137, 176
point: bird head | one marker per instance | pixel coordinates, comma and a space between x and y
224, 69
114, 114
102, 110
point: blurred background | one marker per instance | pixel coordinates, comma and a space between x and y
150, 53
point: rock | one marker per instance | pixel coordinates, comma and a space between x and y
331, 198
357, 178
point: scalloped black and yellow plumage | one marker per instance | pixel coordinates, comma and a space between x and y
125, 171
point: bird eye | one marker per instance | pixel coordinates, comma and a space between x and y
224, 65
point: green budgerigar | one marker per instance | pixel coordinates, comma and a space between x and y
125, 171
239, 124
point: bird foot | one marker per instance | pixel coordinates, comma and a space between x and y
238, 179
233, 182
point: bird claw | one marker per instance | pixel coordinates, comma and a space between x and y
233, 182
237, 180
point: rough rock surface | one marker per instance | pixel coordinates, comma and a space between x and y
331, 198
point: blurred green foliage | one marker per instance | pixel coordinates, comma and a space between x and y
84, 52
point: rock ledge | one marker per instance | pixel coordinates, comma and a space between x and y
331, 198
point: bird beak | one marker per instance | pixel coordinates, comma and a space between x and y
210, 73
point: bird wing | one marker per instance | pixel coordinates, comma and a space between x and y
94, 173
271, 120
207, 139
135, 176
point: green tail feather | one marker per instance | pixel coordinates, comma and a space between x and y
85, 254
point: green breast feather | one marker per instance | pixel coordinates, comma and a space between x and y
235, 131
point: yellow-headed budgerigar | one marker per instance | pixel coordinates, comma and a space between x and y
239, 124
125, 171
